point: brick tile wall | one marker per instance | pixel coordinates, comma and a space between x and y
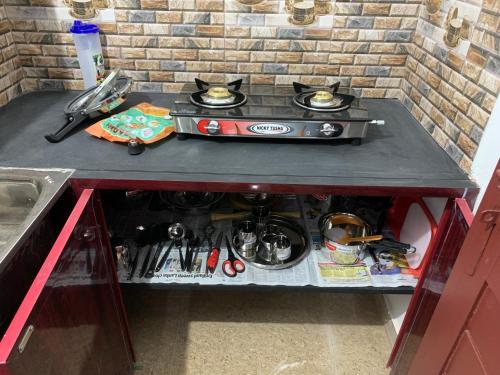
11, 73
452, 91
163, 44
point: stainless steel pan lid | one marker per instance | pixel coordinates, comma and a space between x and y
105, 88
89, 101
105, 97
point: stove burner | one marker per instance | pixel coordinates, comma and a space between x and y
218, 96
218, 92
324, 99
321, 100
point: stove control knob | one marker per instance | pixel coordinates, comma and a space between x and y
213, 127
331, 130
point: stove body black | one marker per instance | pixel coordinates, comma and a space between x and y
270, 112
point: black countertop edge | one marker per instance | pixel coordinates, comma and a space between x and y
90, 176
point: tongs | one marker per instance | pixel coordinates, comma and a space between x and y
393, 246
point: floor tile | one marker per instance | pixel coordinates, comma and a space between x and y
247, 332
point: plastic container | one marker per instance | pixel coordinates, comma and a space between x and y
89, 51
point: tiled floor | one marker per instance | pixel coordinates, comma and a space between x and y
271, 333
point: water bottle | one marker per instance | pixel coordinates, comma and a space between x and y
89, 51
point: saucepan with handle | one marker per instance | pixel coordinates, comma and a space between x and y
346, 236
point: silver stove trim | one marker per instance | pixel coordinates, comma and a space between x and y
351, 129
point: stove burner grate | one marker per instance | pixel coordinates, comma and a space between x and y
218, 97
321, 100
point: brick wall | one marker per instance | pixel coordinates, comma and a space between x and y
377, 49
162, 45
11, 72
452, 91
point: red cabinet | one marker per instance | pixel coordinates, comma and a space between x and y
463, 335
71, 321
452, 230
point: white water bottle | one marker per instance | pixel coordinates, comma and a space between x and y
89, 51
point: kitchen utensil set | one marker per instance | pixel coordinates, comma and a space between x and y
262, 239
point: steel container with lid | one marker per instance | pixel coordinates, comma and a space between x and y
335, 226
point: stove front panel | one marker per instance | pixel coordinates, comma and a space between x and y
271, 128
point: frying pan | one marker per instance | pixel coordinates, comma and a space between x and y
195, 203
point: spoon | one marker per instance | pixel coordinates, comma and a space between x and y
348, 240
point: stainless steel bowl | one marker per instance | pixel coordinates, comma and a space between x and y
246, 238
247, 232
282, 247
266, 251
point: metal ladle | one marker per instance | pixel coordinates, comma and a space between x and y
176, 232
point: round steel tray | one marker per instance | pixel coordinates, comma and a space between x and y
297, 236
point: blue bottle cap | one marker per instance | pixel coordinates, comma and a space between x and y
80, 27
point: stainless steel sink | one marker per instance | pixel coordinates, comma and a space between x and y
17, 199
25, 196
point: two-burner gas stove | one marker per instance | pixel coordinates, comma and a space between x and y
264, 111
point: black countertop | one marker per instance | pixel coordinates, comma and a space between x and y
399, 154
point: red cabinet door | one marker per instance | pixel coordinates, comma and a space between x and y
463, 336
71, 321
450, 236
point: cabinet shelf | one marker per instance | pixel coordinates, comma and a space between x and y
316, 271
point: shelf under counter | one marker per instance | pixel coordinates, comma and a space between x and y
316, 269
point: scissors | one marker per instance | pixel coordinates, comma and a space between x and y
232, 265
